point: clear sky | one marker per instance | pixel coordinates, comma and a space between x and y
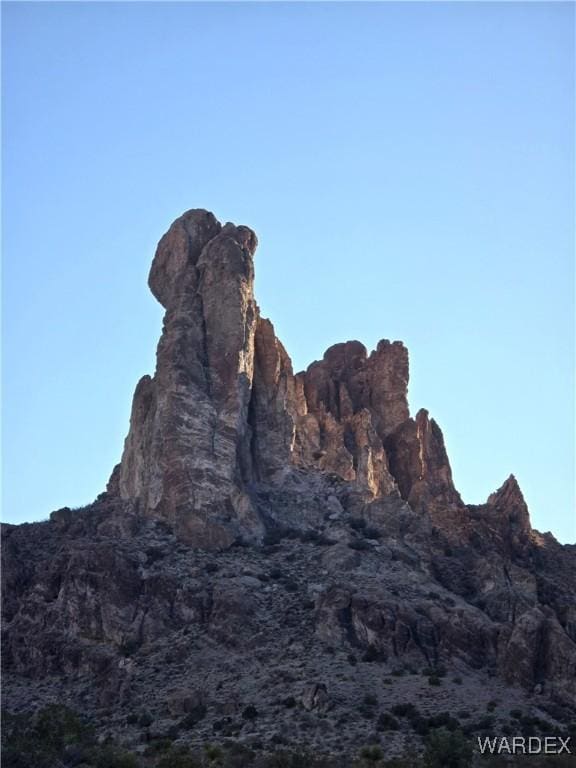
409, 170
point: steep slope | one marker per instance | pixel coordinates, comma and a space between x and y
271, 537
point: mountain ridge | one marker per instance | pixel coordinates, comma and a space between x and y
270, 536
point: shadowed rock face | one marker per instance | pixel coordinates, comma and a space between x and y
355, 537
224, 408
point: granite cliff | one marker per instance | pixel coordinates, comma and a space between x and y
272, 537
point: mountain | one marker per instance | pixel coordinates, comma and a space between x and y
283, 559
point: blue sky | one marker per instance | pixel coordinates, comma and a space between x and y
409, 170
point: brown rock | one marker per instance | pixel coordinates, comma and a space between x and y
364, 550
188, 449
419, 462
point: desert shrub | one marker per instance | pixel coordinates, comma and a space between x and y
370, 700
372, 753
438, 671
316, 537
373, 654
193, 717
443, 720
113, 757
178, 758
367, 712
447, 750
361, 545
405, 710
250, 712
238, 756
213, 752
484, 724
157, 747
386, 722
58, 725
145, 719
40, 740
290, 760
491, 706
434, 680
420, 726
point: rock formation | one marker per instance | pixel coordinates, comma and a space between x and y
224, 408
187, 453
271, 536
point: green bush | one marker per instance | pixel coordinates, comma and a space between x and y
178, 758
250, 712
145, 719
438, 671
290, 760
194, 717
157, 747
405, 710
386, 722
443, 720
112, 757
372, 753
213, 752
445, 749
373, 654
38, 740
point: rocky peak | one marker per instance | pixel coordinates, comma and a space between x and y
178, 252
508, 512
224, 410
185, 455
361, 559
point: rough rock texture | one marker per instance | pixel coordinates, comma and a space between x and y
187, 452
271, 537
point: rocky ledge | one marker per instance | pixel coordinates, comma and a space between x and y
290, 546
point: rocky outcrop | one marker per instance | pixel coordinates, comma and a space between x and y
352, 403
357, 549
224, 409
187, 454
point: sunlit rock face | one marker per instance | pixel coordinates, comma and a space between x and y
224, 408
260, 517
187, 453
